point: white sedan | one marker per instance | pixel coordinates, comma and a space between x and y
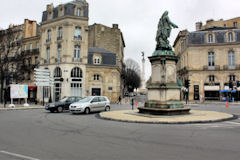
90, 104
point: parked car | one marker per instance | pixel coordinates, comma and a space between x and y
90, 104
62, 104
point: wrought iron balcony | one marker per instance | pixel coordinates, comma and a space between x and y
76, 59
59, 38
78, 38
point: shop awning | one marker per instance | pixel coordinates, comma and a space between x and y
227, 90
32, 88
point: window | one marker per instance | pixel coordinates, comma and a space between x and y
211, 78
57, 72
96, 60
78, 34
210, 38
76, 73
29, 61
59, 52
231, 59
36, 60
235, 24
12, 67
78, 12
76, 89
50, 15
25, 47
48, 54
49, 35
232, 78
76, 52
29, 76
61, 12
30, 47
59, 33
211, 59
37, 45
230, 37
96, 77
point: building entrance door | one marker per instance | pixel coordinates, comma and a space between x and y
196, 92
96, 91
57, 91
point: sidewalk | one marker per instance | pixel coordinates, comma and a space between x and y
21, 107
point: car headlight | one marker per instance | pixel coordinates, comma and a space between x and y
51, 105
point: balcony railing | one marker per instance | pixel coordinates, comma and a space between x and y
76, 59
215, 68
78, 38
59, 38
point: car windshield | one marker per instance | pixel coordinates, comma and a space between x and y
63, 100
86, 99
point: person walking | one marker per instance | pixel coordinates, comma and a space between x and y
119, 100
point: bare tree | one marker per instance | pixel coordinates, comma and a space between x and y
131, 75
11, 57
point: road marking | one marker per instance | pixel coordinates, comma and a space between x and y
236, 123
18, 155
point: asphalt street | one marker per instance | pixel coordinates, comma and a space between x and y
38, 134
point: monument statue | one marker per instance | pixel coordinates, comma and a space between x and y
163, 33
164, 88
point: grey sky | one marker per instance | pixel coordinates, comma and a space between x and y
137, 19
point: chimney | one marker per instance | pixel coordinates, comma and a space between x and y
115, 26
198, 26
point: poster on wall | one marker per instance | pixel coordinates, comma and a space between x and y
19, 91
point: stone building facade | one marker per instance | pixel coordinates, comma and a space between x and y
210, 59
83, 60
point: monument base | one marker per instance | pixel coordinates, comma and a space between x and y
164, 111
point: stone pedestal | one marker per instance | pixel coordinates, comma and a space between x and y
163, 90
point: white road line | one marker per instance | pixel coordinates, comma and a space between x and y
236, 123
18, 155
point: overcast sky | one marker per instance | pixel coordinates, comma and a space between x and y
137, 19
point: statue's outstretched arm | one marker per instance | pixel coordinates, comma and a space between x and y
171, 23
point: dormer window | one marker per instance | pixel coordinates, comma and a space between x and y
78, 13
210, 38
230, 37
61, 12
96, 60
50, 15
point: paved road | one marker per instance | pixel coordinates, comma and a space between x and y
38, 134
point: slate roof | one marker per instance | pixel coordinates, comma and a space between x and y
108, 58
199, 37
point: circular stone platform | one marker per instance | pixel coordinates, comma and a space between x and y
195, 116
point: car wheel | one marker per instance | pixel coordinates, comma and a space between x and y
107, 108
60, 109
87, 111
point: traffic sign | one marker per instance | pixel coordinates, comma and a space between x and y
42, 73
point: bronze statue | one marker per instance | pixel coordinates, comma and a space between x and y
164, 30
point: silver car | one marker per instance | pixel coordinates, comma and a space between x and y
90, 104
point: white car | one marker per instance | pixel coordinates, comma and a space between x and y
90, 104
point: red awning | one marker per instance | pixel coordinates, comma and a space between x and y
32, 87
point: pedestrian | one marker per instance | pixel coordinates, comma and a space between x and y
119, 100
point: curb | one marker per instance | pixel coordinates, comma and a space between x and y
157, 122
20, 108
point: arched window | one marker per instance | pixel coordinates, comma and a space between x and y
96, 60
96, 77
210, 38
230, 37
76, 73
57, 72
